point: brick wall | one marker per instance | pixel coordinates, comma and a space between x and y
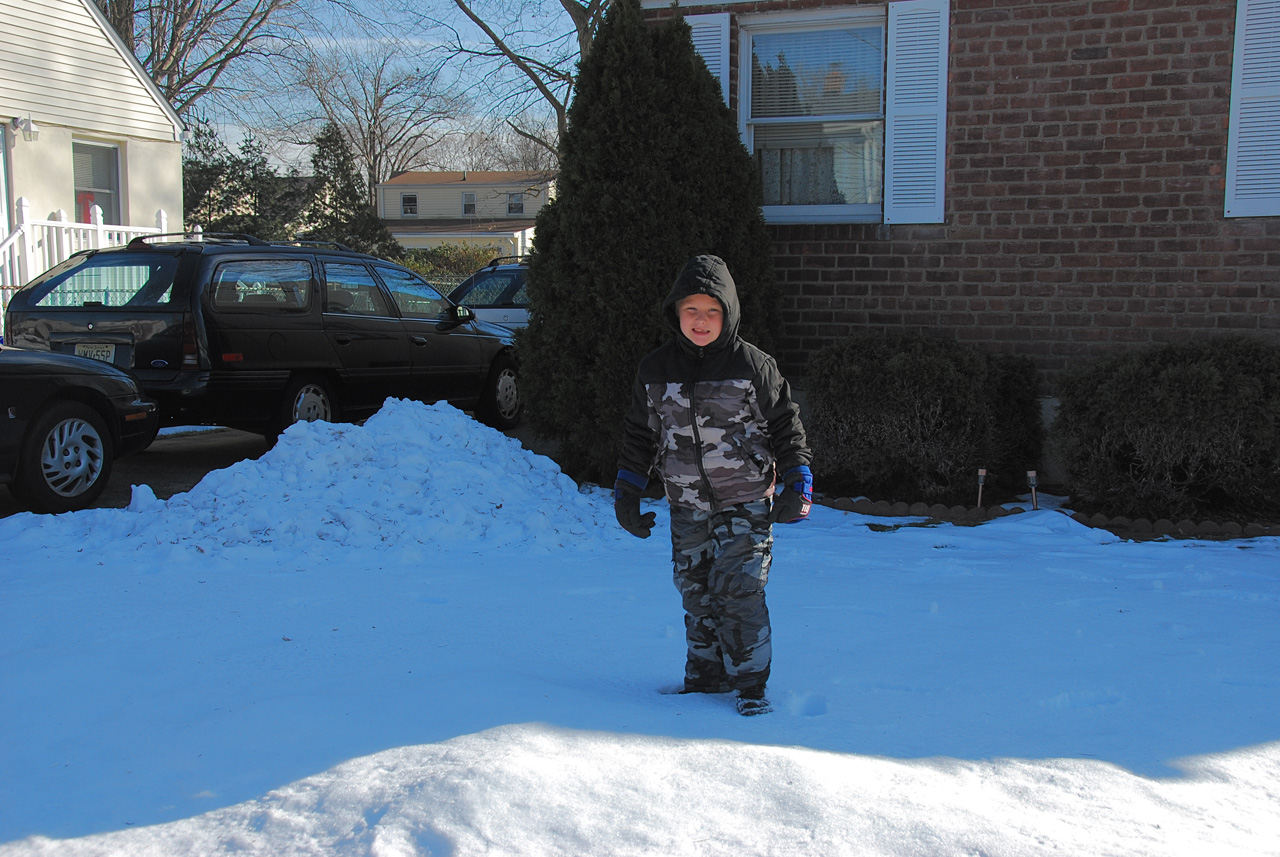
1085, 189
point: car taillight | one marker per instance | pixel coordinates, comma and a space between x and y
190, 349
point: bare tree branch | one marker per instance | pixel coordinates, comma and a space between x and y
390, 104
527, 53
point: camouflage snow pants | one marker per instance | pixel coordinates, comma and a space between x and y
721, 567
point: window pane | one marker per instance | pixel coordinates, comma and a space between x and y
264, 284
821, 163
97, 181
817, 72
488, 290
414, 297
113, 281
351, 289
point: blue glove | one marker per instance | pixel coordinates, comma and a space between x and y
794, 502
626, 504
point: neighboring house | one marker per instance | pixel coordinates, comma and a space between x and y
92, 152
1054, 179
427, 209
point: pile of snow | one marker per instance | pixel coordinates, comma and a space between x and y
415, 637
412, 474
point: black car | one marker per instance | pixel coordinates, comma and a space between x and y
63, 421
235, 331
498, 292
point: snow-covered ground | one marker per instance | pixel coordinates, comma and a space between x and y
416, 637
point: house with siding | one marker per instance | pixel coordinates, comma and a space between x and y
92, 152
493, 208
1054, 179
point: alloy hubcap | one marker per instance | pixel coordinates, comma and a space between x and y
310, 405
507, 396
72, 458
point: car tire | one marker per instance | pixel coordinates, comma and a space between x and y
500, 404
307, 398
66, 459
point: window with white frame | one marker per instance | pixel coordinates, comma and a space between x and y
1253, 141
96, 170
843, 108
468, 204
408, 205
814, 115
515, 203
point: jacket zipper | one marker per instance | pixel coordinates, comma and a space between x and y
697, 435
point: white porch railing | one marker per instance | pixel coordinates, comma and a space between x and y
35, 246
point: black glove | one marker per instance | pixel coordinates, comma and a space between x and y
626, 504
794, 502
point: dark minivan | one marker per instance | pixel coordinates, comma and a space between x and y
236, 331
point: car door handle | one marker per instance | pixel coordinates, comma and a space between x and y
418, 340
342, 339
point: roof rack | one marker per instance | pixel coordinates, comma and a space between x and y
332, 245
506, 260
207, 237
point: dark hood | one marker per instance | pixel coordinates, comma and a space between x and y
706, 275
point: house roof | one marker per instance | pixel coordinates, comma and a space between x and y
472, 177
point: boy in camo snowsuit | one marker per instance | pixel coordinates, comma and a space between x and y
713, 418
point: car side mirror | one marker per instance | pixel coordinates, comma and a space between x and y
455, 316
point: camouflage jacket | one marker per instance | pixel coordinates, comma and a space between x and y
712, 423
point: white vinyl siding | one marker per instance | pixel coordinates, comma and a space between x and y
1253, 143
449, 201
711, 41
59, 66
915, 112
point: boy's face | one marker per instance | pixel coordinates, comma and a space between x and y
701, 319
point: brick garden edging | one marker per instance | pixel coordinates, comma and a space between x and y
1137, 529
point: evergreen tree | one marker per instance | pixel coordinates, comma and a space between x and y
206, 167
227, 192
652, 173
339, 209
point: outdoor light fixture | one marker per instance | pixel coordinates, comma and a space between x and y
30, 132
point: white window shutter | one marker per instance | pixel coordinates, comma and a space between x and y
711, 41
916, 111
1253, 141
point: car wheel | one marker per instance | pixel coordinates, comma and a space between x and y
500, 404
307, 399
66, 459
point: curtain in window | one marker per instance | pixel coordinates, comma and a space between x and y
833, 163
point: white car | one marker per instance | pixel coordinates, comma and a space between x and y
498, 293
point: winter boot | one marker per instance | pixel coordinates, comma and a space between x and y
751, 700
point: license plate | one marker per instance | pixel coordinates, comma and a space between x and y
96, 350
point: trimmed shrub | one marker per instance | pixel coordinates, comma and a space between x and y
912, 418
1183, 430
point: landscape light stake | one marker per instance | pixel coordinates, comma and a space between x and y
982, 477
1031, 480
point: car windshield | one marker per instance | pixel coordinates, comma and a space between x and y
115, 280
